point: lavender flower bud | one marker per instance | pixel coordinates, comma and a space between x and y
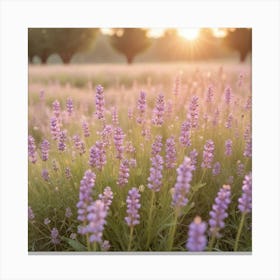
55, 236
157, 145
54, 128
79, 144
105, 246
197, 240
123, 173
185, 137
31, 215
216, 169
228, 95
118, 140
229, 120
32, 154
99, 102
141, 106
97, 157
182, 186
107, 197
208, 154
68, 212
85, 129
158, 111
193, 157
47, 221
61, 141
130, 113
45, 174
219, 211
228, 147
133, 205
210, 94
45, 147
69, 106
115, 117
56, 109
170, 158
155, 178
193, 112
245, 201
68, 174
240, 168
96, 218
216, 117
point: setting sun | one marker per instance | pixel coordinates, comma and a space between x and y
189, 33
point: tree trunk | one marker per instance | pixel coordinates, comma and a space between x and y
66, 58
129, 59
243, 56
44, 59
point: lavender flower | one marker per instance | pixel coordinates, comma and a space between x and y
87, 183
193, 112
79, 144
132, 163
32, 154
158, 111
96, 218
115, 117
219, 211
248, 105
245, 201
106, 134
248, 148
68, 174
216, 169
55, 236
170, 158
54, 128
45, 174
157, 145
155, 178
169, 108
197, 239
105, 246
208, 154
129, 148
99, 102
240, 168
210, 94
56, 109
47, 221
193, 157
185, 137
123, 173
182, 186
228, 95
85, 129
177, 85
68, 212
118, 140
61, 141
45, 147
31, 215
97, 156
141, 106
106, 197
130, 113
228, 147
133, 205
229, 120
73, 235
54, 165
216, 117
69, 106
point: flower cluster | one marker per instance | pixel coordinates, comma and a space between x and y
69, 106
79, 144
106, 197
210, 94
193, 157
55, 236
158, 111
85, 129
193, 112
228, 147
118, 140
171, 154
228, 95
216, 169
155, 178
45, 147
99, 102
97, 156
185, 137
123, 172
133, 205
56, 109
141, 106
54, 125
61, 141
32, 154
245, 201
208, 154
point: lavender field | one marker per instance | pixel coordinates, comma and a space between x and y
148, 157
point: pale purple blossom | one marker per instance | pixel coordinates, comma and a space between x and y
170, 153
208, 154
97, 156
69, 106
47, 221
228, 147
106, 197
56, 108
240, 168
68, 212
157, 145
193, 157
118, 140
216, 169
54, 126
99, 102
45, 147
158, 112
31, 215
68, 173
105, 246
155, 178
141, 106
228, 123
133, 205
130, 113
228, 95
115, 116
45, 174
85, 129
61, 141
177, 85
32, 154
123, 172
210, 94
245, 201
193, 112
79, 144
216, 117
185, 137
197, 240
219, 211
55, 236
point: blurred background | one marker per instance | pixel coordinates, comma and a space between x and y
133, 45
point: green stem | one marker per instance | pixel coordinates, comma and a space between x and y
130, 238
149, 219
94, 246
172, 231
239, 231
211, 243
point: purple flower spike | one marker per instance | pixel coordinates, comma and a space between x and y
228, 147
210, 94
115, 117
61, 141
68, 173
208, 154
216, 117
216, 169
105, 246
185, 137
31, 215
85, 198
133, 205
99, 102
193, 112
141, 106
228, 95
32, 154
158, 111
118, 140
229, 120
245, 201
107, 197
171, 154
45, 174
177, 84
56, 109
197, 240
155, 178
157, 145
97, 156
85, 129
182, 186
79, 144
68, 212
193, 157
123, 173
219, 211
45, 147
240, 168
54, 125
248, 148
96, 218
69, 106
55, 236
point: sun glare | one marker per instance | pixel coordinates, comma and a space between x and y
189, 33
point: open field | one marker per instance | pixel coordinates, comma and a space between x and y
177, 143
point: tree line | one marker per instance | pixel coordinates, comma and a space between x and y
66, 42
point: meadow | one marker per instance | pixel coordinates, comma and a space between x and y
148, 157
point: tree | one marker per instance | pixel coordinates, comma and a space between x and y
68, 41
130, 42
39, 44
240, 39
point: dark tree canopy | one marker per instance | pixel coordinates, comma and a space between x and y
240, 39
64, 41
130, 42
